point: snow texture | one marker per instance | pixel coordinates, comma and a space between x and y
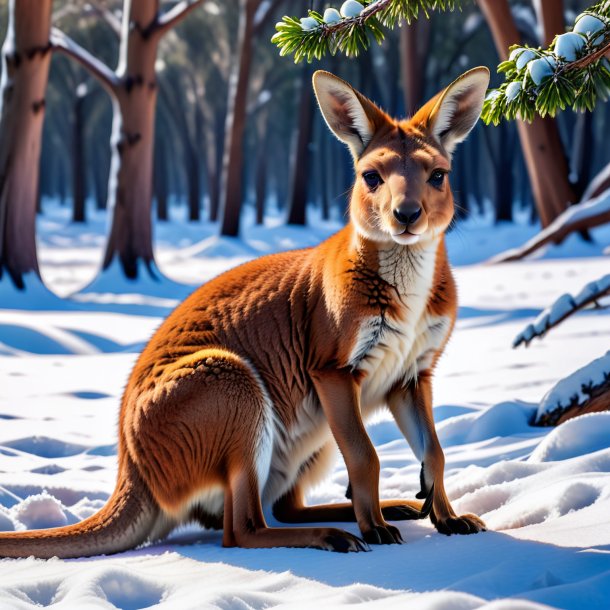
544, 493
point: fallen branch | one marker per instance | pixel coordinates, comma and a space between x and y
585, 215
565, 306
587, 390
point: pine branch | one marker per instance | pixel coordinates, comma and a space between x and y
317, 35
62, 42
573, 72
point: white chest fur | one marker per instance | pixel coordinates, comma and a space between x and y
388, 351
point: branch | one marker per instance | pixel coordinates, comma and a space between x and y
563, 308
175, 15
108, 16
107, 78
586, 215
313, 36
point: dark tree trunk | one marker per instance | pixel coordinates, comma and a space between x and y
25, 56
161, 170
260, 179
231, 186
79, 164
544, 157
133, 138
300, 157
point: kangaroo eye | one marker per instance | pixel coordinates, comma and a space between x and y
437, 178
372, 179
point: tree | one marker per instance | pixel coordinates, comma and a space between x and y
26, 57
133, 87
253, 14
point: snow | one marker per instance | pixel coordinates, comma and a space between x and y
544, 492
571, 388
561, 308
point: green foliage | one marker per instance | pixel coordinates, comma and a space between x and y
549, 81
349, 35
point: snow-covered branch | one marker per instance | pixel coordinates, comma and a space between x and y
563, 308
61, 42
175, 15
584, 215
587, 390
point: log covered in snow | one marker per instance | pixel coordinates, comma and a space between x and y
587, 390
563, 308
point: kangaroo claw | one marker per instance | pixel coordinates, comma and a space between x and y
427, 507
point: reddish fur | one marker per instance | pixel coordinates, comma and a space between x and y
269, 335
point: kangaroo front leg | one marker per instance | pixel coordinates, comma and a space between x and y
340, 398
412, 410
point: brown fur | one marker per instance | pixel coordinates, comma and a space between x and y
242, 393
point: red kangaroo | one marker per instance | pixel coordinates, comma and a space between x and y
242, 396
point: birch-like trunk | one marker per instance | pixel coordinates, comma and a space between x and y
26, 57
131, 184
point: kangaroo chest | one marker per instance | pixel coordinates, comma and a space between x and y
394, 348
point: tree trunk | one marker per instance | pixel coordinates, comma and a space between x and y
300, 158
79, 165
414, 43
260, 180
545, 161
160, 182
26, 57
130, 196
231, 189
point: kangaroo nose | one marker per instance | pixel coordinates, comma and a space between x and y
407, 213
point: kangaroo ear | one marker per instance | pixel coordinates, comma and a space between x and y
350, 116
450, 115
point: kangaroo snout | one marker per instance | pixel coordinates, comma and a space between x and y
407, 213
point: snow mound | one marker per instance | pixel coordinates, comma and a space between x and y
574, 387
42, 511
502, 419
577, 436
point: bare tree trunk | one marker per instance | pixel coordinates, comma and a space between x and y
300, 157
130, 196
231, 188
546, 164
160, 182
414, 43
134, 90
260, 180
550, 17
26, 59
79, 165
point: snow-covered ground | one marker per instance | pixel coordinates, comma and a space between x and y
544, 493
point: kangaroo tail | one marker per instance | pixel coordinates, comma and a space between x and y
127, 520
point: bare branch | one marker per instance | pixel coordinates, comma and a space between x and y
107, 78
108, 16
585, 215
175, 15
564, 307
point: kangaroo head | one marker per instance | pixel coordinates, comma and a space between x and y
401, 192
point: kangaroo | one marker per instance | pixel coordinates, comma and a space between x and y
242, 396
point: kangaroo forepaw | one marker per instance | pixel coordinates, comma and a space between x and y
464, 524
382, 534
